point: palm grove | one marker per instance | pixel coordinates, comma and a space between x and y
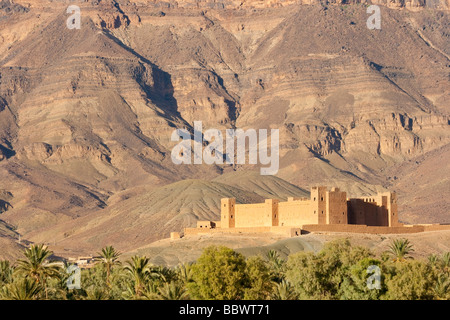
338, 271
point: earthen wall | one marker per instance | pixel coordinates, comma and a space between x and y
296, 212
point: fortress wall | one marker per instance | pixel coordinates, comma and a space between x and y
194, 231
296, 213
388, 209
362, 229
383, 214
436, 227
336, 207
287, 231
356, 211
371, 213
252, 215
292, 231
205, 224
382, 210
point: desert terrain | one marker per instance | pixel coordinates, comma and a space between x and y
173, 252
86, 115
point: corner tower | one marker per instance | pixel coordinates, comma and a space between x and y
319, 203
391, 206
227, 212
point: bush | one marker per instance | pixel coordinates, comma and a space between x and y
218, 274
338, 271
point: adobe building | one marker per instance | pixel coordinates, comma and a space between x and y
325, 210
323, 207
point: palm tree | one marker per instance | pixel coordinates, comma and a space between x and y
445, 261
277, 265
272, 255
184, 272
6, 272
24, 289
96, 294
150, 291
441, 289
173, 291
163, 274
433, 259
283, 291
139, 269
275, 260
109, 257
400, 249
36, 265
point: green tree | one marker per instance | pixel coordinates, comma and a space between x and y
163, 274
356, 287
303, 274
441, 287
6, 272
93, 283
139, 270
218, 274
433, 259
400, 249
277, 265
444, 262
37, 266
411, 280
283, 291
321, 276
259, 284
173, 291
57, 286
335, 262
95, 293
184, 272
109, 258
22, 289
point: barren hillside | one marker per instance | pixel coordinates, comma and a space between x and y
86, 115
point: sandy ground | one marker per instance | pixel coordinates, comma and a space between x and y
172, 252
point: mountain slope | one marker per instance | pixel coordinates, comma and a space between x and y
142, 216
86, 116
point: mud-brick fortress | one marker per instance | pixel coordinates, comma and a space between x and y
325, 210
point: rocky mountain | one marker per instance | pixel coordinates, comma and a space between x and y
143, 215
86, 115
